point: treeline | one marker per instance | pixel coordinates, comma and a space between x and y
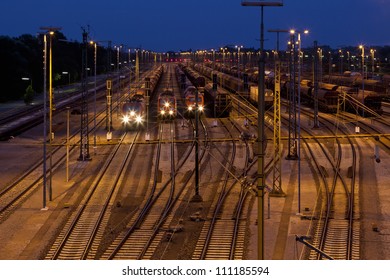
21, 63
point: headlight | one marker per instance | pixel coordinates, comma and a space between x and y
132, 114
162, 112
189, 108
125, 119
171, 112
167, 104
138, 119
200, 108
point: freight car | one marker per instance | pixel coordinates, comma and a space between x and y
268, 96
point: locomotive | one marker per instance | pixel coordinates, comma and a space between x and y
188, 91
166, 105
133, 110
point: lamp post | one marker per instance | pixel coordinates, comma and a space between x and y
261, 126
341, 56
299, 116
372, 52
238, 57
44, 119
27, 79
363, 74
94, 104
67, 73
50, 31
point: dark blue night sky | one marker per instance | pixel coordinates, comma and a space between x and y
201, 24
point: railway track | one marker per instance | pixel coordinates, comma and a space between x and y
86, 225
13, 194
337, 230
152, 220
224, 231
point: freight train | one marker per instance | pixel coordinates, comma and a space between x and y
133, 110
167, 105
188, 92
332, 98
242, 87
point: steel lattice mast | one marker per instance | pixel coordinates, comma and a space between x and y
277, 167
84, 130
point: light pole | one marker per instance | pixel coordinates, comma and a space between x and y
27, 79
67, 73
341, 56
44, 119
372, 52
94, 106
299, 116
363, 74
51, 31
238, 57
261, 126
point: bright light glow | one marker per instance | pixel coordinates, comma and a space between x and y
138, 119
132, 113
171, 112
162, 112
189, 108
292, 31
125, 119
306, 31
200, 108
166, 104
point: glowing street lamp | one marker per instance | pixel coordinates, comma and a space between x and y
94, 118
261, 126
363, 75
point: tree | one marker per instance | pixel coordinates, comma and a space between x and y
29, 95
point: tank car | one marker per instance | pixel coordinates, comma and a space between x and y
196, 79
370, 99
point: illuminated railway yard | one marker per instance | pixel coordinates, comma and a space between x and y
177, 179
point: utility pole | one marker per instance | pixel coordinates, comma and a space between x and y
197, 197
84, 130
292, 126
261, 133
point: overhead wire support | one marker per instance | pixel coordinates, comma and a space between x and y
277, 166
84, 129
292, 94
